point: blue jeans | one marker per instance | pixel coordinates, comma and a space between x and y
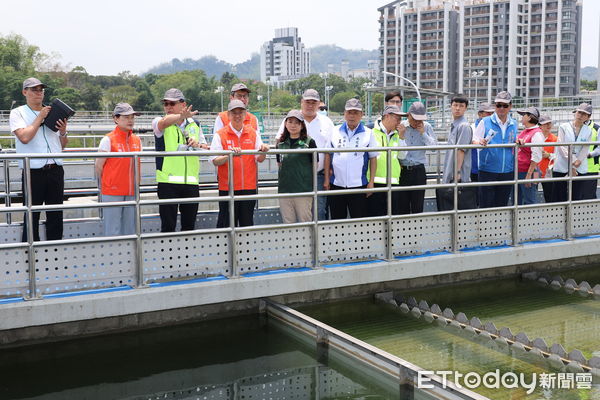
321, 200
494, 196
527, 195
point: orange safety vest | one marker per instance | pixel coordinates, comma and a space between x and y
117, 174
249, 120
244, 167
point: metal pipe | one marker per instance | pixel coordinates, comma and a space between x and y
515, 212
7, 199
569, 208
454, 234
315, 197
30, 239
139, 251
231, 205
390, 250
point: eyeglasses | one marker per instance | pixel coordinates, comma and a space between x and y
37, 89
170, 103
502, 105
241, 96
396, 102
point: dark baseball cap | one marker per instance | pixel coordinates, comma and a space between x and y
353, 104
32, 82
311, 94
530, 110
124, 109
233, 104
174, 95
239, 86
544, 119
417, 111
503, 97
585, 107
485, 107
295, 114
393, 110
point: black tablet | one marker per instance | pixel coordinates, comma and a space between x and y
59, 111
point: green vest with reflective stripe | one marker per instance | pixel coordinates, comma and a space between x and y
179, 169
383, 140
594, 162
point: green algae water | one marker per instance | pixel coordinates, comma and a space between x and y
241, 358
435, 348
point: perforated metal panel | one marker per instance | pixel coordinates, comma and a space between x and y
275, 248
586, 219
418, 235
352, 241
10, 233
203, 392
195, 255
14, 273
333, 385
542, 223
64, 268
288, 384
484, 228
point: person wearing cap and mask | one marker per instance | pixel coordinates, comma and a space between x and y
387, 135
590, 187
529, 157
418, 132
348, 170
322, 108
47, 175
237, 136
319, 128
574, 131
295, 170
496, 164
545, 124
116, 174
239, 91
177, 176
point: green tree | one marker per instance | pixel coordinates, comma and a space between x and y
91, 96
119, 94
69, 95
588, 85
338, 101
284, 101
145, 99
18, 54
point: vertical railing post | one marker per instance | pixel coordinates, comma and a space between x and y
231, 206
515, 213
389, 243
569, 208
7, 199
29, 226
454, 235
315, 241
139, 251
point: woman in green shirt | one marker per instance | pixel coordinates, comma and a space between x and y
295, 170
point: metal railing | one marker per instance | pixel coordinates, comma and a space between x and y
232, 231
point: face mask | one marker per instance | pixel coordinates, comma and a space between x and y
324, 112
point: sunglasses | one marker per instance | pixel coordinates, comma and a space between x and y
37, 90
170, 103
323, 108
502, 105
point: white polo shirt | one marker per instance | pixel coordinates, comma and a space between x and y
44, 141
349, 170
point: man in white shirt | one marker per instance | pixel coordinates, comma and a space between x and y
349, 169
319, 127
47, 175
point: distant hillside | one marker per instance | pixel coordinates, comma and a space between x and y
250, 69
589, 73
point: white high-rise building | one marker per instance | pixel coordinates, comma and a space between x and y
284, 58
479, 47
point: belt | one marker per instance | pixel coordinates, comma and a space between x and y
412, 167
321, 172
50, 166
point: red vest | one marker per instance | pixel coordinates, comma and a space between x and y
524, 155
117, 174
249, 120
244, 167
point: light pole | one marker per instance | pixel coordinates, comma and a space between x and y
327, 90
259, 99
324, 76
220, 89
366, 87
476, 75
268, 97
407, 80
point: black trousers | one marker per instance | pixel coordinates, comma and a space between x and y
47, 187
377, 202
475, 178
560, 190
340, 205
168, 212
589, 186
548, 187
243, 210
495, 196
411, 201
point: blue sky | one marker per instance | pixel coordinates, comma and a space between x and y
110, 36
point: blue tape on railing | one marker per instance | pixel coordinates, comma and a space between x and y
587, 237
532, 242
188, 281
482, 248
274, 272
11, 300
426, 254
348, 264
86, 292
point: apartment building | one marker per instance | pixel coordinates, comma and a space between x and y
284, 58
